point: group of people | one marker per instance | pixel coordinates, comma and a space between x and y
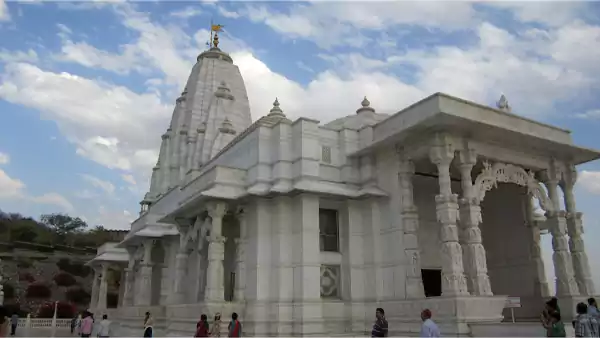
84, 325
586, 324
428, 329
203, 329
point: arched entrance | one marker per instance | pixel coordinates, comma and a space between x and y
504, 192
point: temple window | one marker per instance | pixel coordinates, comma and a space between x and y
329, 230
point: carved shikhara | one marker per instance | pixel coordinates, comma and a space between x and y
491, 175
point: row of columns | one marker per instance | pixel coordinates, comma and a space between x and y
214, 288
464, 265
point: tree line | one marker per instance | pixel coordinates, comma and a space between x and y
51, 229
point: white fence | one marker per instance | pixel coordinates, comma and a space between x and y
44, 323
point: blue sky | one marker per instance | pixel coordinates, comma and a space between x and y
87, 88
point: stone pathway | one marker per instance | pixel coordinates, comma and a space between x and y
21, 332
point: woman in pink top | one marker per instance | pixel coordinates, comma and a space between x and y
87, 324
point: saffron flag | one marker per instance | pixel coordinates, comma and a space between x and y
216, 28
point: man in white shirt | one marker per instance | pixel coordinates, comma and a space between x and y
429, 328
104, 327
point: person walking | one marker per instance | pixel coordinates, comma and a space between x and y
585, 325
554, 325
593, 308
202, 327
148, 323
429, 327
380, 327
14, 321
87, 325
216, 328
234, 327
104, 330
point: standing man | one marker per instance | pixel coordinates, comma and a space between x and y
380, 327
104, 327
429, 327
14, 321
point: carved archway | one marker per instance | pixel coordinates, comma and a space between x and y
491, 175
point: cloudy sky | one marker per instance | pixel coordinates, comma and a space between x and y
87, 88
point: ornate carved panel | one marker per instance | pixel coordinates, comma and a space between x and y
491, 175
330, 281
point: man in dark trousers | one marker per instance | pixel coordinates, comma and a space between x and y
380, 327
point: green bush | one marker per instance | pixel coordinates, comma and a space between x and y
75, 269
24, 263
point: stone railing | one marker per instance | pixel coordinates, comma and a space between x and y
44, 323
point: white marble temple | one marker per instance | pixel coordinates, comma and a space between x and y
305, 228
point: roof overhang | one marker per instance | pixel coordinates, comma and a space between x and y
109, 252
150, 230
441, 112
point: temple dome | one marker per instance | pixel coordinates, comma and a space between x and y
365, 116
212, 108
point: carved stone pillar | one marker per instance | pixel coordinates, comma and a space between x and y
95, 289
474, 257
557, 224
579, 257
215, 290
240, 267
103, 291
129, 279
181, 264
410, 220
453, 278
144, 294
541, 288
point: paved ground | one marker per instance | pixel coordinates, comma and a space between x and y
21, 332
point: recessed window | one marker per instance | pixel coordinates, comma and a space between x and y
329, 230
326, 154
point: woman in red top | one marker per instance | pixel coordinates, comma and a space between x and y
202, 327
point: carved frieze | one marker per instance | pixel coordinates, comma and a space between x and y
491, 175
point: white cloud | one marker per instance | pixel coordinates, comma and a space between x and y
4, 13
18, 56
15, 189
10, 187
590, 114
228, 14
4, 158
129, 179
109, 124
110, 219
53, 199
106, 186
589, 181
187, 12
89, 56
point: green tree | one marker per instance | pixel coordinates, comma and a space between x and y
63, 225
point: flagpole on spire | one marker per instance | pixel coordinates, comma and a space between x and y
215, 38
210, 42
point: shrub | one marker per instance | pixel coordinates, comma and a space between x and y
63, 310
75, 269
15, 308
38, 291
24, 263
78, 295
64, 279
9, 291
26, 276
112, 300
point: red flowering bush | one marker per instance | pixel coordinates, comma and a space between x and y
78, 295
63, 310
38, 290
64, 279
26, 276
